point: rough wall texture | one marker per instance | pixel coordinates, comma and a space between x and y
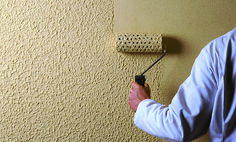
61, 78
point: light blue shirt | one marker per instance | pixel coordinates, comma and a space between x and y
205, 100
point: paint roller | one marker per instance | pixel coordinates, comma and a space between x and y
140, 42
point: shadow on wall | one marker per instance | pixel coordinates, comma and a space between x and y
173, 46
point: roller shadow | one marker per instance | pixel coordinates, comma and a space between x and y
173, 46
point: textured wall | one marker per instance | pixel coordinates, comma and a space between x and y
60, 75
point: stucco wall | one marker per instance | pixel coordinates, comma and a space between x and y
60, 75
61, 78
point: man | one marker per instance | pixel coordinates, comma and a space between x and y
205, 100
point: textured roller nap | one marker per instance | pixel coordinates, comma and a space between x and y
139, 42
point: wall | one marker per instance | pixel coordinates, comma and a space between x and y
62, 79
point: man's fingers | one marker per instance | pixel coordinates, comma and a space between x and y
132, 91
135, 85
137, 94
146, 85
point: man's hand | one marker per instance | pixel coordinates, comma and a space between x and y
138, 93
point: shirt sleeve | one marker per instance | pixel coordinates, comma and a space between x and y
188, 115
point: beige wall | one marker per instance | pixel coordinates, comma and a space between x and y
187, 27
62, 79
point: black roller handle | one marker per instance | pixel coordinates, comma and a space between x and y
140, 79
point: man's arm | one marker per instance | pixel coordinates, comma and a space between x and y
188, 116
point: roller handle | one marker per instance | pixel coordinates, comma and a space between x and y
140, 79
